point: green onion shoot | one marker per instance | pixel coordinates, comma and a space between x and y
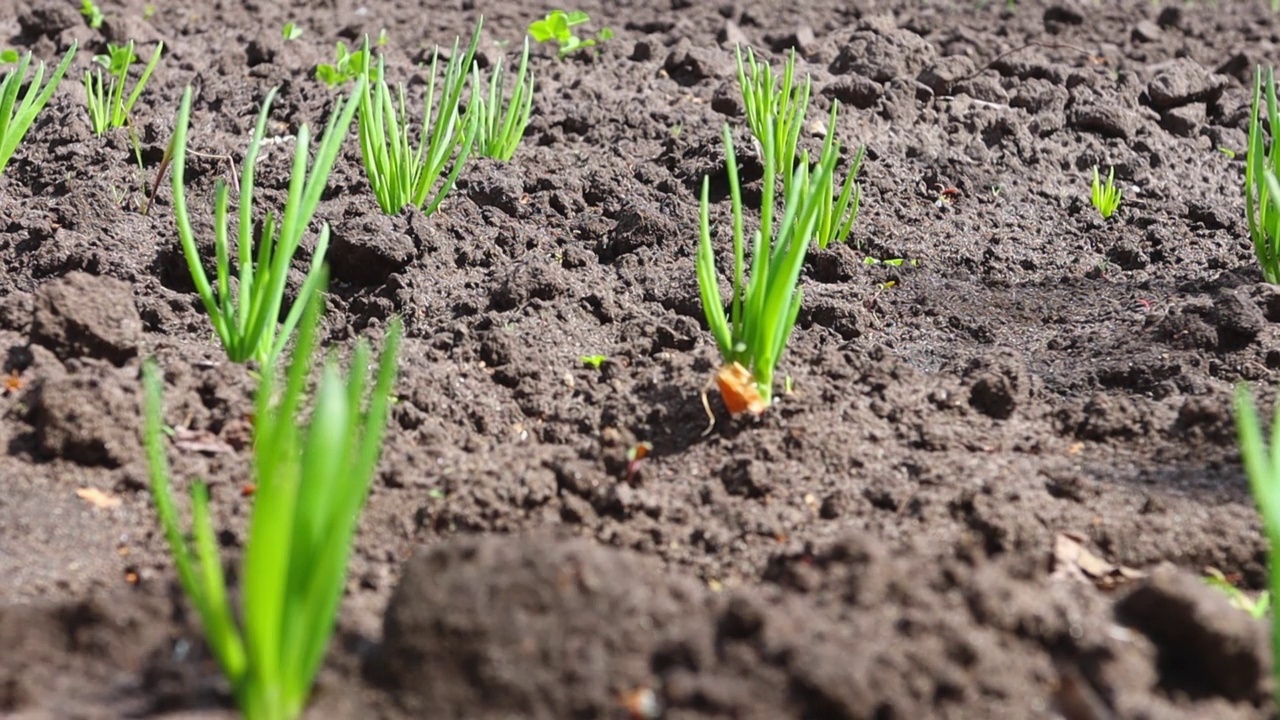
762, 307
311, 481
501, 127
1262, 466
16, 115
1105, 196
404, 172
246, 317
1261, 190
109, 107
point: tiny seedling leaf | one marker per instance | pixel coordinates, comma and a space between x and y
558, 26
92, 13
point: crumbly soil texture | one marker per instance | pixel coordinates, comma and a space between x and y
1004, 460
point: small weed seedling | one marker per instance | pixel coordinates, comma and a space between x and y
290, 31
891, 262
400, 173
108, 106
92, 13
557, 27
310, 484
9, 56
17, 115
1105, 196
1261, 190
500, 130
595, 362
635, 456
246, 319
1257, 609
347, 66
1262, 466
763, 309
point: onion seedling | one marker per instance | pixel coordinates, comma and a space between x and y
500, 130
1262, 466
404, 174
1261, 191
763, 309
836, 214
247, 318
108, 106
782, 102
17, 115
778, 102
1105, 196
311, 484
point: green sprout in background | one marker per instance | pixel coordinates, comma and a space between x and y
1261, 190
92, 13
400, 172
17, 115
246, 319
311, 482
557, 27
500, 130
9, 56
1105, 196
763, 309
1262, 466
108, 106
778, 102
595, 362
779, 105
346, 66
291, 31
837, 214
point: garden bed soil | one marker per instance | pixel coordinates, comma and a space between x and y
992, 491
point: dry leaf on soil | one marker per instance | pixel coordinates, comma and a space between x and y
1071, 559
98, 499
200, 441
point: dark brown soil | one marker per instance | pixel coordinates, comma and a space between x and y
899, 538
